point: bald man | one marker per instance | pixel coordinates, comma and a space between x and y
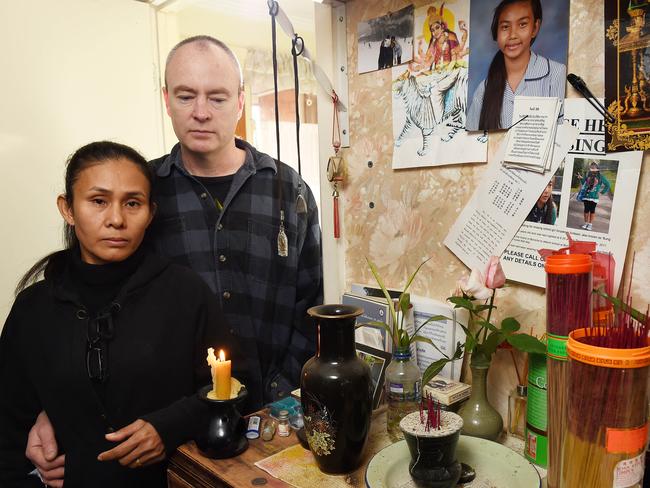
246, 223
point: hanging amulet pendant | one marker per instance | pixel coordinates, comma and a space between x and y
283, 242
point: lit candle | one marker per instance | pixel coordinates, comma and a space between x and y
220, 369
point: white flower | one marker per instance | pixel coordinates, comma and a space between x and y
474, 286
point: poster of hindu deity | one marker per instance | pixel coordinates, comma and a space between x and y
430, 93
627, 71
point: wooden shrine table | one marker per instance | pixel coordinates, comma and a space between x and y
188, 468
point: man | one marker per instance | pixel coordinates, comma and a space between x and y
397, 51
248, 225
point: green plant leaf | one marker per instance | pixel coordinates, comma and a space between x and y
404, 340
492, 342
464, 327
481, 307
510, 325
410, 280
462, 302
459, 351
434, 318
433, 369
470, 342
621, 305
383, 325
526, 343
404, 302
484, 323
419, 338
389, 300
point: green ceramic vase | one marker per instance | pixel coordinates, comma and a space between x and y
480, 419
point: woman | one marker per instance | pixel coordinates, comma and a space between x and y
544, 211
594, 185
515, 69
112, 343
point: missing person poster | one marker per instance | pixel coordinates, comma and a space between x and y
591, 196
500, 204
496, 55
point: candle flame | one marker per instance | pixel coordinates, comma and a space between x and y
222, 355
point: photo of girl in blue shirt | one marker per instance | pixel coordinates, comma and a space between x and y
593, 184
515, 70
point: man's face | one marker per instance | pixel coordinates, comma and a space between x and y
202, 98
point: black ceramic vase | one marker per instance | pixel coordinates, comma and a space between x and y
336, 392
225, 435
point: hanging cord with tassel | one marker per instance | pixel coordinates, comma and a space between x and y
283, 242
335, 165
297, 47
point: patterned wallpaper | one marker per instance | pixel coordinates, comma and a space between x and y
412, 210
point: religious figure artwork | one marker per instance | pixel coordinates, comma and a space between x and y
627, 71
430, 93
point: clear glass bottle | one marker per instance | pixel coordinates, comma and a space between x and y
268, 429
283, 423
403, 391
517, 411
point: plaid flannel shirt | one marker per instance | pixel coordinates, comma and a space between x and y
264, 296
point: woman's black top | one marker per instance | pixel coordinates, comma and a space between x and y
162, 319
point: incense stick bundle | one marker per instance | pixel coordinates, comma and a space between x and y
607, 406
568, 307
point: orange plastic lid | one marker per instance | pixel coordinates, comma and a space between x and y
606, 357
568, 263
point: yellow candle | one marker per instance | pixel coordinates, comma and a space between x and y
220, 369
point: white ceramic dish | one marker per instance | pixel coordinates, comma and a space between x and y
496, 466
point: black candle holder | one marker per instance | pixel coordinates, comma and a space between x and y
225, 436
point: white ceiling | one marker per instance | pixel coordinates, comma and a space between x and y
299, 11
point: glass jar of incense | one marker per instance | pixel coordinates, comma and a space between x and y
568, 307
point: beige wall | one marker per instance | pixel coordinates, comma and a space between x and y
414, 209
73, 71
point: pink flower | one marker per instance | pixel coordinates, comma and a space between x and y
494, 275
474, 286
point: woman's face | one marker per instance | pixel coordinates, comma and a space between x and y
546, 194
516, 30
436, 29
110, 210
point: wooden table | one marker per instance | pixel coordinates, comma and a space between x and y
188, 468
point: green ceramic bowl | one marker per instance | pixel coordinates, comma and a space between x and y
495, 465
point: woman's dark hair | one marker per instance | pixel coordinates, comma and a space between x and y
495, 82
550, 211
84, 157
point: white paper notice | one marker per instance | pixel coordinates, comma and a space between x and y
530, 140
500, 204
613, 206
